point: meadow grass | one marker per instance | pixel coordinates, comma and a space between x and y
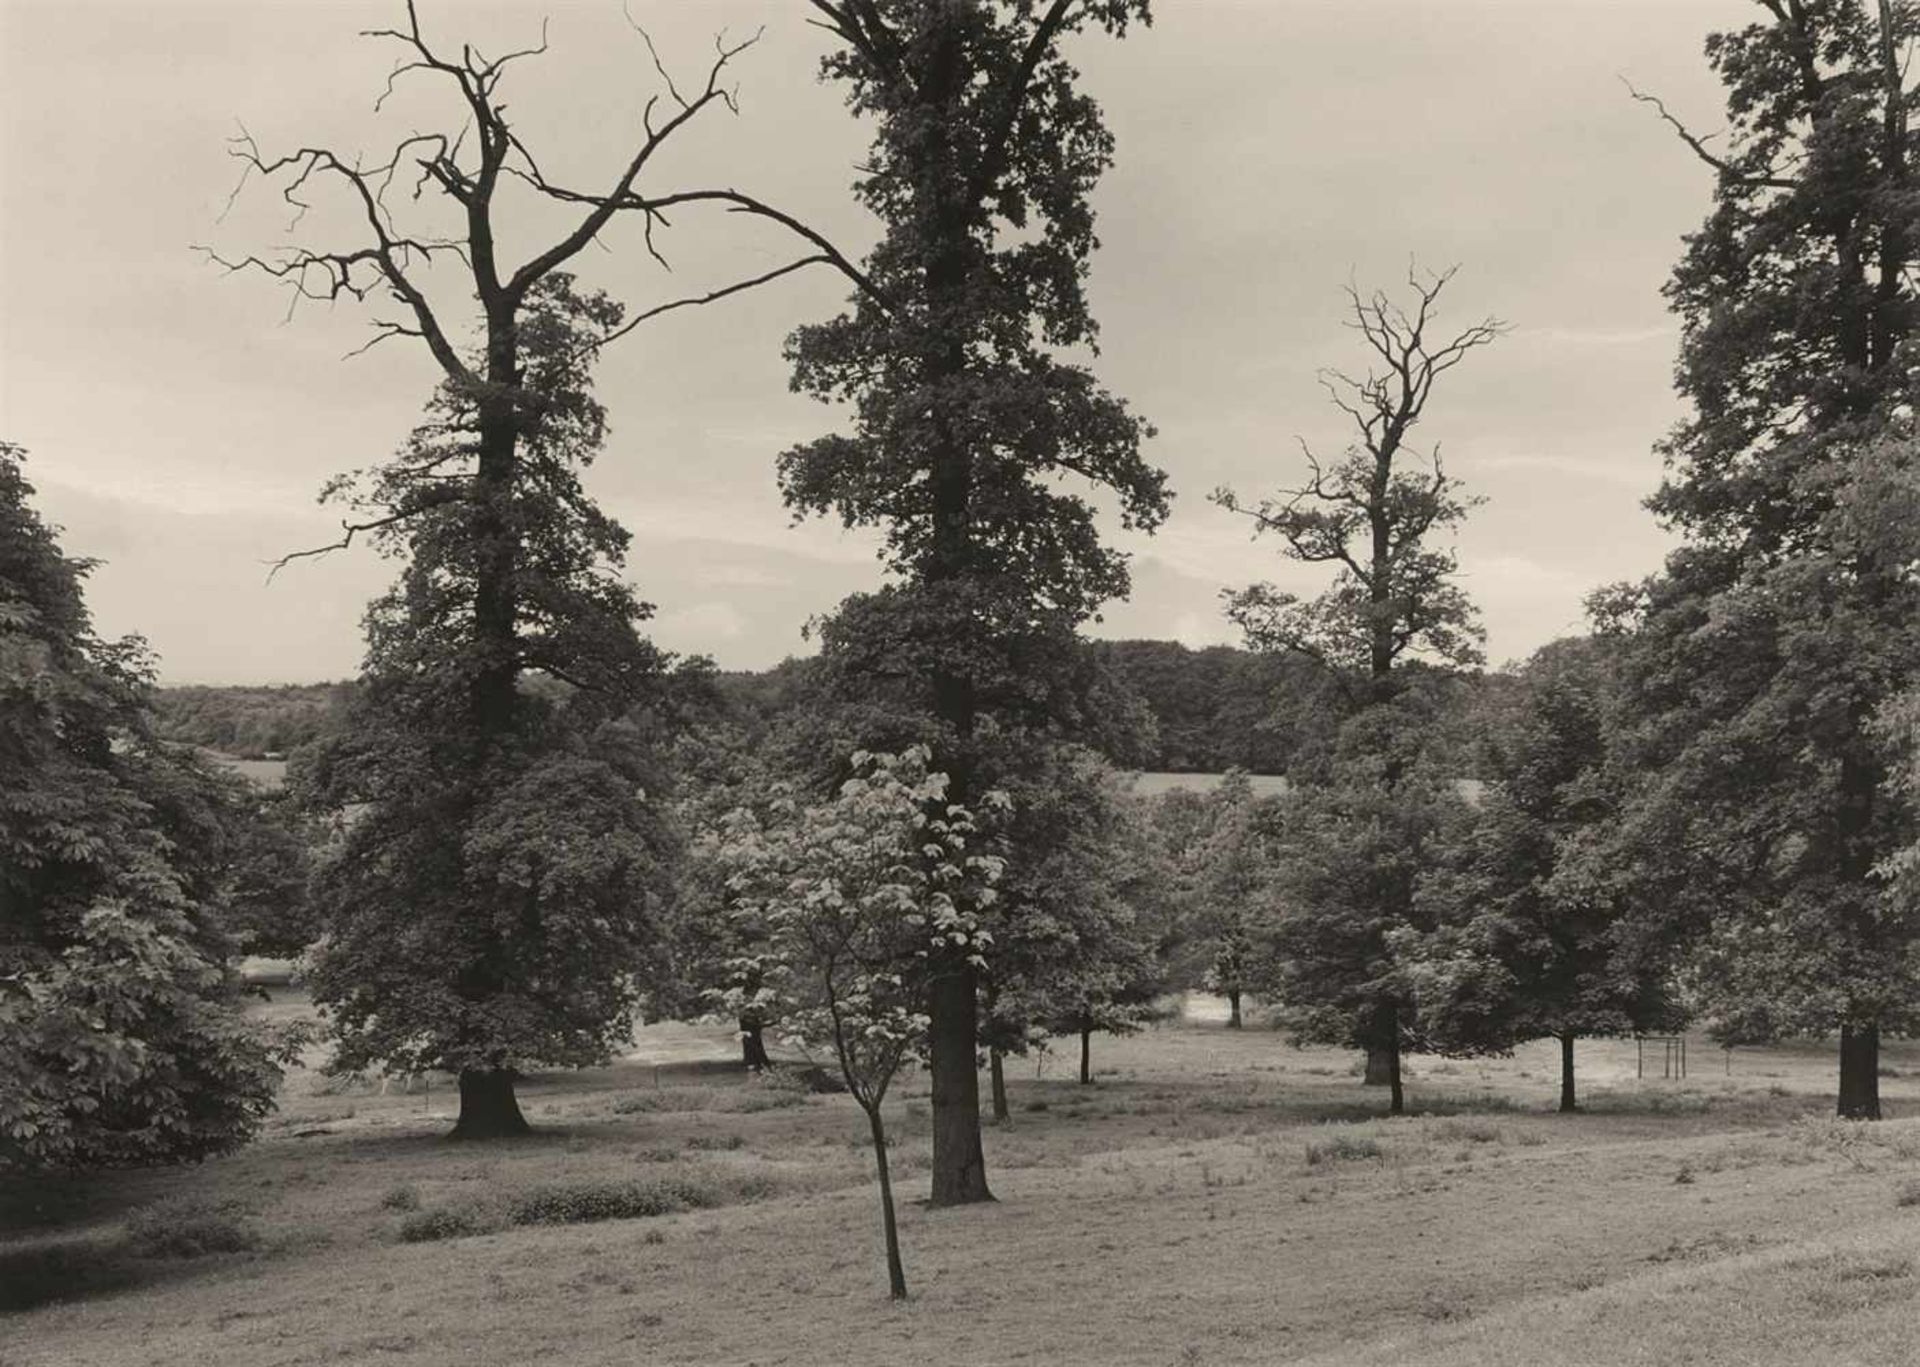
1219, 1196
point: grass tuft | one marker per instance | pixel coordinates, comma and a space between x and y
1343, 1148
190, 1228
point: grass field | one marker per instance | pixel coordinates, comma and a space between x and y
1216, 1197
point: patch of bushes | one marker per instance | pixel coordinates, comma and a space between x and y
1907, 1193
585, 1201
770, 1091
452, 1222
189, 1228
401, 1196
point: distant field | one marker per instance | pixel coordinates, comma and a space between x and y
1217, 1197
268, 773
1152, 784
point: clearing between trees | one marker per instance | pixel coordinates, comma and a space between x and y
1217, 1196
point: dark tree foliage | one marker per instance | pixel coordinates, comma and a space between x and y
121, 1038
1779, 630
1220, 708
506, 866
1336, 946
1527, 942
1082, 924
965, 418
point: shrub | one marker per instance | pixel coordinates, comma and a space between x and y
189, 1228
1908, 1193
770, 1092
402, 1196
583, 1202
452, 1222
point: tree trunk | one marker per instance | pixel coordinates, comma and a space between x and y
753, 1043
1860, 1072
488, 1108
996, 1065
896, 1272
1567, 1100
1086, 1051
959, 1162
1233, 1008
1379, 1067
1396, 1096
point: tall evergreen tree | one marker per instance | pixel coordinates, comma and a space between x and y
1777, 632
965, 418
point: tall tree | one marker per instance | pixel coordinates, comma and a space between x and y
121, 1036
494, 472
1777, 632
488, 906
965, 418
1377, 516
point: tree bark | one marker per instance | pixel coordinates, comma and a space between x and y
959, 1162
1568, 1103
1379, 1067
896, 1272
1233, 1008
1859, 1072
997, 1068
753, 1044
488, 1107
1086, 1051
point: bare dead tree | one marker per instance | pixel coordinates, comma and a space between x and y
471, 168
1374, 513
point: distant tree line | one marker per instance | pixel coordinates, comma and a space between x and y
250, 721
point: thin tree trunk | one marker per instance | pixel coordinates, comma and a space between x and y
959, 1162
1860, 1072
753, 1043
1233, 1008
488, 1107
1568, 1103
1086, 1051
998, 1073
1396, 1096
896, 1272
1379, 1067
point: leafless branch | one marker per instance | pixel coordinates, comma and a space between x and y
1699, 147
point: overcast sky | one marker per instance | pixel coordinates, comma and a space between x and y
1268, 150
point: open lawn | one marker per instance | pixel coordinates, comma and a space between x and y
1216, 1197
